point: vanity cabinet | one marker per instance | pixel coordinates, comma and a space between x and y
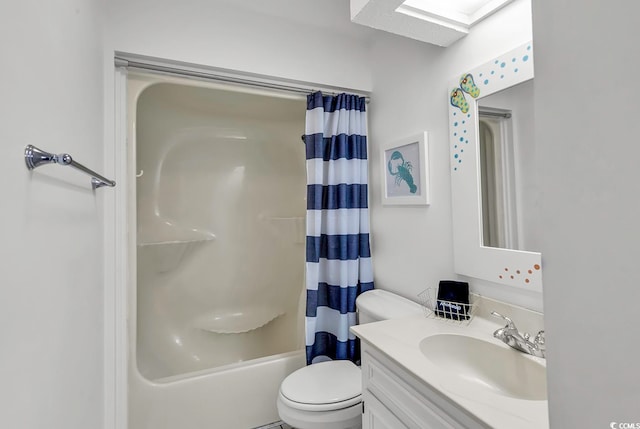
377, 416
394, 399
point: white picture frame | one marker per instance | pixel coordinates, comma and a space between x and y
405, 171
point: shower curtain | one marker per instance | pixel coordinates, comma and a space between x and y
338, 266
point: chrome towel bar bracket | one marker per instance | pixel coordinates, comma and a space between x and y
35, 157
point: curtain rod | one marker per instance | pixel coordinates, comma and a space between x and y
506, 115
227, 77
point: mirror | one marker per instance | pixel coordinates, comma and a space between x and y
492, 181
507, 168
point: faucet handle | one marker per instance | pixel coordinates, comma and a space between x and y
539, 338
510, 323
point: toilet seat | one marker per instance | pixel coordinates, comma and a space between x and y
323, 386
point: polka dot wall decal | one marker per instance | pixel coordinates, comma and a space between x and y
490, 77
530, 272
526, 280
536, 267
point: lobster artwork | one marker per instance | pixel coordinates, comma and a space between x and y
401, 169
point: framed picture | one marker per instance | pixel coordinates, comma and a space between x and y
405, 171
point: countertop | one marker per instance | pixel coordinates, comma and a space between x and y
399, 340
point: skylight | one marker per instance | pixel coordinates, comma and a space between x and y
455, 13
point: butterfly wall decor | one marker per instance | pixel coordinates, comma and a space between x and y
467, 85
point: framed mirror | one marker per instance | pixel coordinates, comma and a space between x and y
488, 111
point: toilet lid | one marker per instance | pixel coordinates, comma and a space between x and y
324, 383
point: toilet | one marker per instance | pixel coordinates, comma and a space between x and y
328, 395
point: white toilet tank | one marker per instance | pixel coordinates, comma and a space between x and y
375, 305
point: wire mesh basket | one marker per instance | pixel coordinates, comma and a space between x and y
454, 312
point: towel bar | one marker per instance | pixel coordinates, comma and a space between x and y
35, 157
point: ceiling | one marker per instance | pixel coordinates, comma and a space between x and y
439, 22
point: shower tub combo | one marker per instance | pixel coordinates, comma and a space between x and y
216, 306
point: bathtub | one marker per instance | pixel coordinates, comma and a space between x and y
215, 318
241, 396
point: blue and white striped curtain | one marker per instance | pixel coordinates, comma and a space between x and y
338, 264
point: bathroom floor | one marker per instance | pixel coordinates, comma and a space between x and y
276, 425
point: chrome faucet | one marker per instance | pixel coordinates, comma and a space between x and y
512, 337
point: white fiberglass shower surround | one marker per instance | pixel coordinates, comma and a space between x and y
217, 191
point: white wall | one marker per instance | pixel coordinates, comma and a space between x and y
235, 34
51, 252
587, 137
412, 245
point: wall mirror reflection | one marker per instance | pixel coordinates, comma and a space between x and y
509, 192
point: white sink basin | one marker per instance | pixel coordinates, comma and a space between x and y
500, 369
